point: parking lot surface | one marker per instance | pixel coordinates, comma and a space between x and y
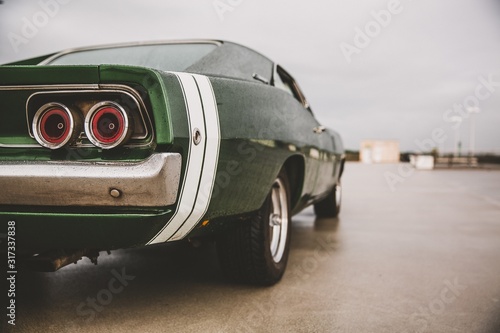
412, 251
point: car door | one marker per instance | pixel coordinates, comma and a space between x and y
319, 153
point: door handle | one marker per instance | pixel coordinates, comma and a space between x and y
319, 129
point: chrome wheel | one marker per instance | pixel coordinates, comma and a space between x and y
256, 249
278, 220
338, 195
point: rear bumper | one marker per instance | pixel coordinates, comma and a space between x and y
38, 232
153, 182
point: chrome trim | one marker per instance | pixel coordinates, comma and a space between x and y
153, 182
106, 88
74, 87
108, 46
90, 117
36, 125
3, 145
51, 87
278, 221
142, 107
86, 88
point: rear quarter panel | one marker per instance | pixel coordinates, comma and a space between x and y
261, 127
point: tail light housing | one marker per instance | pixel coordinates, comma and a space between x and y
108, 125
109, 117
55, 125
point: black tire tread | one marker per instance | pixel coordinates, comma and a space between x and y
242, 250
327, 207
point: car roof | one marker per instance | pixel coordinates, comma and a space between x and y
234, 60
227, 60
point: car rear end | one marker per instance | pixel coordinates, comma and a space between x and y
88, 158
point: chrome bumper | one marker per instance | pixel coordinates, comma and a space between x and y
149, 183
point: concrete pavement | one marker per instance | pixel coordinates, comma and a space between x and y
411, 252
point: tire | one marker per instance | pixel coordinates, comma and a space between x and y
330, 205
256, 250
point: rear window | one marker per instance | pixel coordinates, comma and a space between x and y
165, 57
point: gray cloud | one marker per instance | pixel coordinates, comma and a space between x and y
428, 58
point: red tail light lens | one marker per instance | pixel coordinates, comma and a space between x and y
107, 125
55, 126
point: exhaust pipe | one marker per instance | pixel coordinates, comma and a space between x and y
55, 260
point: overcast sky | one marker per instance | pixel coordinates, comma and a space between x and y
371, 69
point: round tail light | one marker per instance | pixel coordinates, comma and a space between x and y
107, 125
55, 125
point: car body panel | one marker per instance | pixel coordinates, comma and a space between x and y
249, 131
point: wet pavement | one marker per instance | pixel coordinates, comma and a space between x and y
413, 251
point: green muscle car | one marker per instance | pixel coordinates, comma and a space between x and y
130, 145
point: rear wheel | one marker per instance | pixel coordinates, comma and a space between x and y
330, 205
256, 250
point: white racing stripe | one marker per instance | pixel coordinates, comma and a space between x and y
201, 165
212, 137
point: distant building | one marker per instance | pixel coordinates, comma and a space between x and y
379, 151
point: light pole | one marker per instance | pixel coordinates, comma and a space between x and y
457, 121
472, 138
